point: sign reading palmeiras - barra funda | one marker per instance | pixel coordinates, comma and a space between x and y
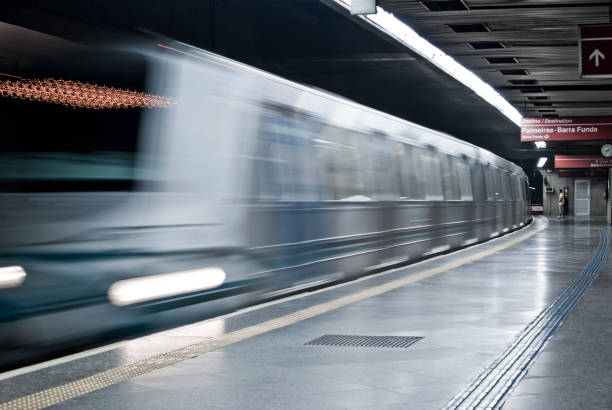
582, 161
566, 129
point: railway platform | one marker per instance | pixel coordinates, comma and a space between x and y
519, 322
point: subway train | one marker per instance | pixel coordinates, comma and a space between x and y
143, 180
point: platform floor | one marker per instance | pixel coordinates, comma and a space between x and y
467, 307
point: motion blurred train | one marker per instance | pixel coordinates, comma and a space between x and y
144, 180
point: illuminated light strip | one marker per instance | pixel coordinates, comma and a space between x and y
11, 276
542, 161
82, 95
389, 24
129, 291
540, 144
98, 381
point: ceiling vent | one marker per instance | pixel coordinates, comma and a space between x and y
469, 28
523, 82
486, 45
514, 72
444, 5
537, 97
501, 60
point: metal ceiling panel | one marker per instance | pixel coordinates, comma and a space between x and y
541, 34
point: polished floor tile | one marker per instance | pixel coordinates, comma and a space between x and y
466, 317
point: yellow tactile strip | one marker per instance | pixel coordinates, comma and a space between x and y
98, 381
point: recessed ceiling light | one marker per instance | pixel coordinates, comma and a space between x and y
444, 5
514, 72
501, 60
523, 82
486, 45
469, 28
531, 90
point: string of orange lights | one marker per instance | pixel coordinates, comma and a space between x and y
82, 95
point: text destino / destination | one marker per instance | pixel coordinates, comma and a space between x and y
538, 121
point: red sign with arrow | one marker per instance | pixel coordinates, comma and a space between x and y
596, 51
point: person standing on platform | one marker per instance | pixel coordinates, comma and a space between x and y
561, 203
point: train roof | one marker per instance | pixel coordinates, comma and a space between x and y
352, 114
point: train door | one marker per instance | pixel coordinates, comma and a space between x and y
500, 207
491, 211
582, 201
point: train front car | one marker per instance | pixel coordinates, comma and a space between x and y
68, 174
110, 191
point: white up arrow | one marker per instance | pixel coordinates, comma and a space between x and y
597, 55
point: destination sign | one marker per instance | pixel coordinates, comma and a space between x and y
582, 161
566, 129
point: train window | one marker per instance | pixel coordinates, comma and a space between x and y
490, 184
381, 159
412, 183
74, 126
465, 180
433, 177
513, 190
284, 159
516, 187
267, 168
506, 186
499, 190
341, 161
519, 188
450, 177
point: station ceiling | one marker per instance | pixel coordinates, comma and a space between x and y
313, 42
527, 50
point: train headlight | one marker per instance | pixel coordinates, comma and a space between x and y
11, 276
145, 288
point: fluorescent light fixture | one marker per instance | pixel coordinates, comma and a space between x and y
145, 288
387, 22
11, 276
542, 161
540, 144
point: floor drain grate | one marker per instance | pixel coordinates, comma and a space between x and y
365, 341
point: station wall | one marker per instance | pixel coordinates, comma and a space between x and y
598, 184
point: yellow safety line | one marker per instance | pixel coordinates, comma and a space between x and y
58, 394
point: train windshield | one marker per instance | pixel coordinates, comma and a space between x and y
70, 117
